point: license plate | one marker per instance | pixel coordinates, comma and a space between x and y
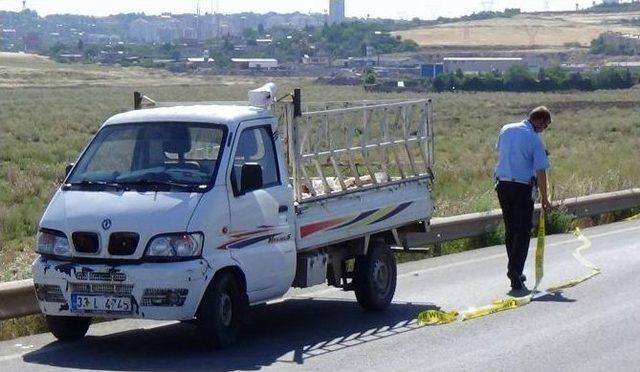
80, 303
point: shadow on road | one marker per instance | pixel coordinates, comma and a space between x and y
288, 332
554, 297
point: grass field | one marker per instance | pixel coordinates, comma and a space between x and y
545, 29
594, 140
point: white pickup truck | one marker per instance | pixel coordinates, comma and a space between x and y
197, 212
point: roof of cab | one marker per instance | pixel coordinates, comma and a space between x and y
214, 114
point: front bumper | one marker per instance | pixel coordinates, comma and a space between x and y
146, 284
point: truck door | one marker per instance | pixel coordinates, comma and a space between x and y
262, 239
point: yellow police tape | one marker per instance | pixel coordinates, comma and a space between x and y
435, 317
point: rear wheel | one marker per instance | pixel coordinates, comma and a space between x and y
375, 276
222, 311
68, 328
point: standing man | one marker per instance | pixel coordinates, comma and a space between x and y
522, 165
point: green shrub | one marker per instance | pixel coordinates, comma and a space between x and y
558, 221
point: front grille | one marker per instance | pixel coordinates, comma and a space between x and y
123, 243
111, 276
102, 288
86, 242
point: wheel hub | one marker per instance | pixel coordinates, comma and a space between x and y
381, 276
226, 309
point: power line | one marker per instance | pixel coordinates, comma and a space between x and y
487, 5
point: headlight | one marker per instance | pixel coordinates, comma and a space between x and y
175, 246
53, 242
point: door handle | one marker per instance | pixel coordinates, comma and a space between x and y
283, 209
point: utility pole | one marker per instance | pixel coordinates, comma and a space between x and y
466, 32
532, 31
24, 5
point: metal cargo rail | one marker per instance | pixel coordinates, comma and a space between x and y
356, 146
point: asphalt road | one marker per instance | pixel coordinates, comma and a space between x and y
594, 326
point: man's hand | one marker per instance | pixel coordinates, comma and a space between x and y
542, 186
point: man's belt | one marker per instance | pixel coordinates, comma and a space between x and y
511, 179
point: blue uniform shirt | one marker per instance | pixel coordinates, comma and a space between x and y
521, 152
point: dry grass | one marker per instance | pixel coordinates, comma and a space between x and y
549, 29
31, 71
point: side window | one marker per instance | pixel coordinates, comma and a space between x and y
256, 145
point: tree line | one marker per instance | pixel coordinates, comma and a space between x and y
518, 78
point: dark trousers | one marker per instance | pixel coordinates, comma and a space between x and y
517, 212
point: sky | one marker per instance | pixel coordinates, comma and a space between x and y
406, 9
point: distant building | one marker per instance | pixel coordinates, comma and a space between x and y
68, 57
431, 70
577, 67
370, 51
480, 64
255, 63
631, 66
336, 11
32, 42
142, 30
200, 62
621, 41
316, 60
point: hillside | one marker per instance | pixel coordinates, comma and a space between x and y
540, 29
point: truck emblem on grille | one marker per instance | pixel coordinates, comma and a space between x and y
106, 224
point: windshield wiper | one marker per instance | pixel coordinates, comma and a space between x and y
105, 184
154, 184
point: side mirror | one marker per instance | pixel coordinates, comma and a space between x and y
250, 178
68, 169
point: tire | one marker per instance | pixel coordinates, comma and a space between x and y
222, 311
68, 328
375, 277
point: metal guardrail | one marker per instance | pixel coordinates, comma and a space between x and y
470, 225
18, 298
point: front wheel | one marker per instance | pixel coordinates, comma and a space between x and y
375, 277
222, 311
68, 328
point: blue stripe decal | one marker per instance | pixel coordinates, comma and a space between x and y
398, 209
362, 216
248, 242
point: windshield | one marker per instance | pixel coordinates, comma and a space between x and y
150, 155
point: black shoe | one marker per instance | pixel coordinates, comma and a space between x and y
519, 292
518, 284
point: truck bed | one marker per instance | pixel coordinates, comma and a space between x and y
325, 221
359, 169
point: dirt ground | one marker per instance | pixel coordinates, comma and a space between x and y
545, 29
